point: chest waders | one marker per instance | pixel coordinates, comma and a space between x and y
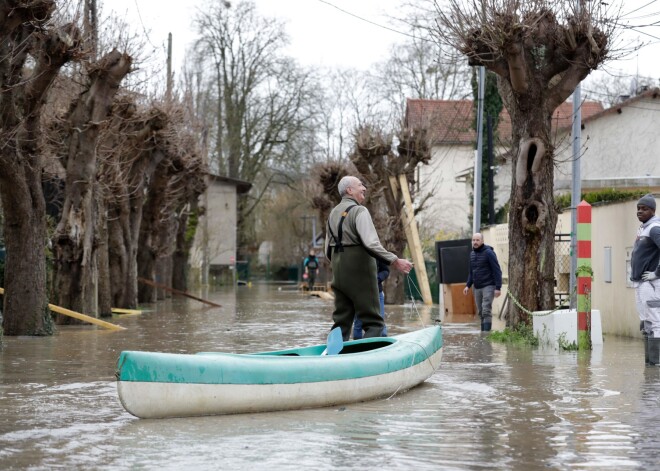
355, 285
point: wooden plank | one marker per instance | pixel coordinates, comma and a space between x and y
414, 242
404, 215
118, 310
176, 291
82, 317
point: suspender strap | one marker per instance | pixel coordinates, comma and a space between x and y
338, 245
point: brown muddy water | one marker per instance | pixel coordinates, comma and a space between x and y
488, 406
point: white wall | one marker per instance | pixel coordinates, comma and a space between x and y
615, 145
447, 211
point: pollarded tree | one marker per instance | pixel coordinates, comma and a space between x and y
33, 49
74, 238
540, 50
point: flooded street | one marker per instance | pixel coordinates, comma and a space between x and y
488, 406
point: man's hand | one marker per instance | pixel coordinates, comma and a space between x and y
402, 265
466, 290
649, 276
497, 293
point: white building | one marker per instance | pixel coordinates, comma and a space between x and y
620, 147
449, 173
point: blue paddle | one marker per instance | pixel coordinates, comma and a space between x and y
335, 342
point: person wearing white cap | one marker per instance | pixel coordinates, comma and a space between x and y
645, 275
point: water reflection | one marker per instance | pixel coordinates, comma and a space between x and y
489, 405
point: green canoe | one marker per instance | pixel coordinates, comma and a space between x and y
152, 385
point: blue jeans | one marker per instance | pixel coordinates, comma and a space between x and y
357, 323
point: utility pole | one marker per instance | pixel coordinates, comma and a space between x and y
90, 26
476, 220
313, 218
168, 92
576, 186
491, 171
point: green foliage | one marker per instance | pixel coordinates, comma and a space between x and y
585, 270
191, 229
522, 334
565, 345
609, 195
492, 106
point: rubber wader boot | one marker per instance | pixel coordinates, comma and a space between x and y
482, 326
487, 325
646, 349
654, 351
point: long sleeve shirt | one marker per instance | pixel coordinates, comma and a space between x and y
357, 229
646, 251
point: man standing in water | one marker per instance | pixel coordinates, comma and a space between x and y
645, 275
311, 264
352, 244
486, 275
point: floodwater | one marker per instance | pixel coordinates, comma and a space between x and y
488, 406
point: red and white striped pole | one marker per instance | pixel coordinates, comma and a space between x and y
583, 274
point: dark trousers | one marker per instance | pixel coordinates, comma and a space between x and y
355, 286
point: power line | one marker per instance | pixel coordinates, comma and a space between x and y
374, 23
142, 23
639, 8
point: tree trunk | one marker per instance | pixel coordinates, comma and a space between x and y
181, 253
24, 92
25, 310
74, 239
148, 238
532, 215
104, 284
163, 276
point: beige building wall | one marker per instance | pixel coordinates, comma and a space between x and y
613, 232
222, 220
449, 177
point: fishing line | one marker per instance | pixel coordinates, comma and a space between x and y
414, 304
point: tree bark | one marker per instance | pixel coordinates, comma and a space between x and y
148, 239
74, 239
532, 215
182, 250
25, 300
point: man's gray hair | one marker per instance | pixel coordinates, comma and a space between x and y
344, 183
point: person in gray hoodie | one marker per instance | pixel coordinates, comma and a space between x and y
486, 276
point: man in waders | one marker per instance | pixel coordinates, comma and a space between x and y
351, 244
645, 275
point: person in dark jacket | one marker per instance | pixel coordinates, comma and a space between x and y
486, 276
383, 274
311, 265
645, 275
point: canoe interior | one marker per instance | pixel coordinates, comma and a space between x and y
356, 346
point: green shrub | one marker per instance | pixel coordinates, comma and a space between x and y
522, 334
609, 195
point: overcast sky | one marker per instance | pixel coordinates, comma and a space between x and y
322, 34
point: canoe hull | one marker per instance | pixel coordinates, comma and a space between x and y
157, 385
158, 400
